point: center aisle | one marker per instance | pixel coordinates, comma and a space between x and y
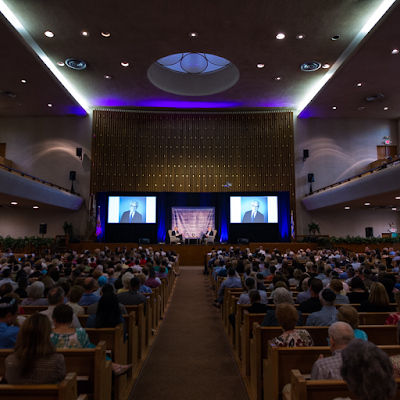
190, 358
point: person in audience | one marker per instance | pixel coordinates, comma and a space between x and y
340, 335
305, 287
388, 282
7, 278
366, 278
126, 279
35, 360
65, 337
231, 282
9, 326
394, 318
107, 288
313, 303
250, 284
35, 295
281, 295
74, 295
337, 286
100, 282
358, 292
22, 285
132, 297
350, 315
368, 371
88, 297
143, 288
152, 281
296, 277
256, 306
378, 300
56, 297
287, 317
327, 315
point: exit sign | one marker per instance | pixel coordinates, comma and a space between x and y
388, 142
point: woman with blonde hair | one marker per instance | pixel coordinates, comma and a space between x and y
378, 300
35, 360
350, 315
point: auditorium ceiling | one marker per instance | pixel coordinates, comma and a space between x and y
356, 40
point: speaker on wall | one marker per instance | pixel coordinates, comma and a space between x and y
72, 175
369, 232
43, 229
305, 154
310, 178
79, 152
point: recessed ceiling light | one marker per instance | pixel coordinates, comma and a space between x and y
301, 36
49, 105
125, 64
347, 208
394, 208
397, 197
336, 37
395, 51
14, 203
386, 108
260, 65
326, 66
49, 34
35, 207
107, 76
60, 64
193, 34
333, 108
367, 204
105, 34
23, 80
280, 36
359, 84
85, 33
361, 108
278, 78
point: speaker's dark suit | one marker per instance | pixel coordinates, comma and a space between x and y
137, 218
257, 219
177, 234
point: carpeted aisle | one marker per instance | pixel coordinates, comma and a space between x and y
190, 358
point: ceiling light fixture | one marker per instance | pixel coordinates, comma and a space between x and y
14, 203
49, 105
336, 37
125, 64
394, 209
107, 76
280, 36
260, 65
105, 34
193, 34
386, 108
85, 33
367, 204
35, 207
334, 108
397, 197
347, 208
60, 64
359, 84
395, 51
23, 80
326, 66
278, 78
301, 36
49, 34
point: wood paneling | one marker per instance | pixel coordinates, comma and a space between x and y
193, 151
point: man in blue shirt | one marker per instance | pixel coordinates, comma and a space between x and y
88, 297
9, 327
230, 282
328, 314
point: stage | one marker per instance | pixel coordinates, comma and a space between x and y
190, 255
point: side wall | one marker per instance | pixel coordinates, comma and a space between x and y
45, 147
339, 149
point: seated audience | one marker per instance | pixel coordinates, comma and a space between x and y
313, 303
132, 297
35, 360
88, 297
250, 284
9, 326
367, 371
350, 315
287, 317
394, 318
305, 294
358, 293
256, 306
35, 295
337, 286
74, 295
327, 315
231, 282
152, 281
340, 335
107, 288
22, 285
126, 279
378, 300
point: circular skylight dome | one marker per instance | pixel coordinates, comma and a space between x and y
193, 74
193, 63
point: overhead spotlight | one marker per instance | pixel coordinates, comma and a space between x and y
336, 37
394, 209
125, 64
395, 51
49, 34
260, 65
280, 36
347, 208
35, 207
14, 203
107, 76
85, 33
326, 66
278, 78
193, 34
301, 36
386, 108
105, 34
359, 84
49, 105
333, 108
23, 81
367, 204
397, 197
60, 64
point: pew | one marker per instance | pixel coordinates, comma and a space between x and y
65, 390
141, 325
303, 389
90, 365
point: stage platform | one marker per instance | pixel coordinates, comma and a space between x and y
193, 254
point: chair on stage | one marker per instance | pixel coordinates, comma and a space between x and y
173, 238
211, 239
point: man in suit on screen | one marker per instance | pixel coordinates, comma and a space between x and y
132, 216
253, 215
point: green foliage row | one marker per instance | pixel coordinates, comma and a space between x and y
364, 240
20, 243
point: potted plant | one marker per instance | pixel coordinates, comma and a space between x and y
313, 227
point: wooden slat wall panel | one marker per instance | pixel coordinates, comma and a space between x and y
193, 151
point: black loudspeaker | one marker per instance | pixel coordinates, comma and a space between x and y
72, 175
144, 240
305, 154
43, 229
243, 240
310, 178
79, 152
369, 232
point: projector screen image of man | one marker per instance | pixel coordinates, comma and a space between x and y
132, 216
253, 215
